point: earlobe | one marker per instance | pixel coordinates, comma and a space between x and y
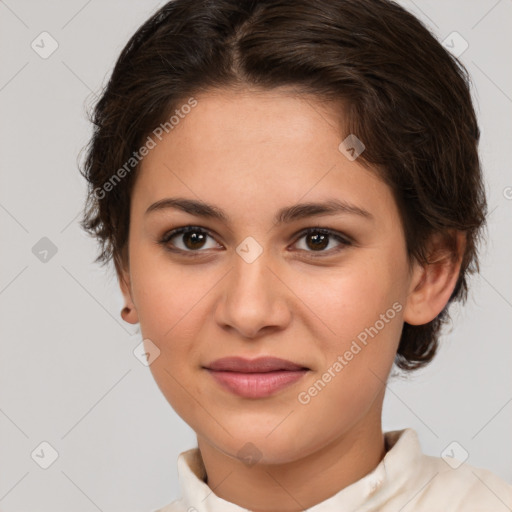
432, 283
129, 312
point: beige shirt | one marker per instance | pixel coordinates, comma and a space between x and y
405, 480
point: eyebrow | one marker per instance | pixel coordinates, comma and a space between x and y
285, 215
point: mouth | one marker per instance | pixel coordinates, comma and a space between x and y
256, 378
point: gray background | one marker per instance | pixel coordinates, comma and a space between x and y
68, 375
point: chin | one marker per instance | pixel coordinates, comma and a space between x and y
258, 447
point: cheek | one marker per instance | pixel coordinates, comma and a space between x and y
362, 308
356, 359
170, 301
171, 313
353, 298
166, 294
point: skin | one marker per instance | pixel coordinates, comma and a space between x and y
251, 153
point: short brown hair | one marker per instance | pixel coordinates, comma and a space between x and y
404, 96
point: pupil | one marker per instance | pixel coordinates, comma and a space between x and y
196, 240
320, 241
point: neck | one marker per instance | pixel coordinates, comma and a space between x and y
299, 484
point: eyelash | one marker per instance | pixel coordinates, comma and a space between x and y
342, 239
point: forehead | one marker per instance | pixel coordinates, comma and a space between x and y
257, 151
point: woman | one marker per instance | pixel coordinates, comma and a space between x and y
291, 194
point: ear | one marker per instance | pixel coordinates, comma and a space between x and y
432, 283
129, 313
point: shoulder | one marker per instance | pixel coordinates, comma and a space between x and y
459, 487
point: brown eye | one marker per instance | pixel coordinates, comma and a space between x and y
318, 239
188, 239
194, 240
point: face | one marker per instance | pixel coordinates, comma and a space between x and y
254, 283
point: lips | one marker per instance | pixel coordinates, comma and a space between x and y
255, 378
259, 365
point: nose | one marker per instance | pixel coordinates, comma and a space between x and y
253, 300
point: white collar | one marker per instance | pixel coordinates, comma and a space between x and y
388, 478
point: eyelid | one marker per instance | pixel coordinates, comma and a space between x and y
342, 237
